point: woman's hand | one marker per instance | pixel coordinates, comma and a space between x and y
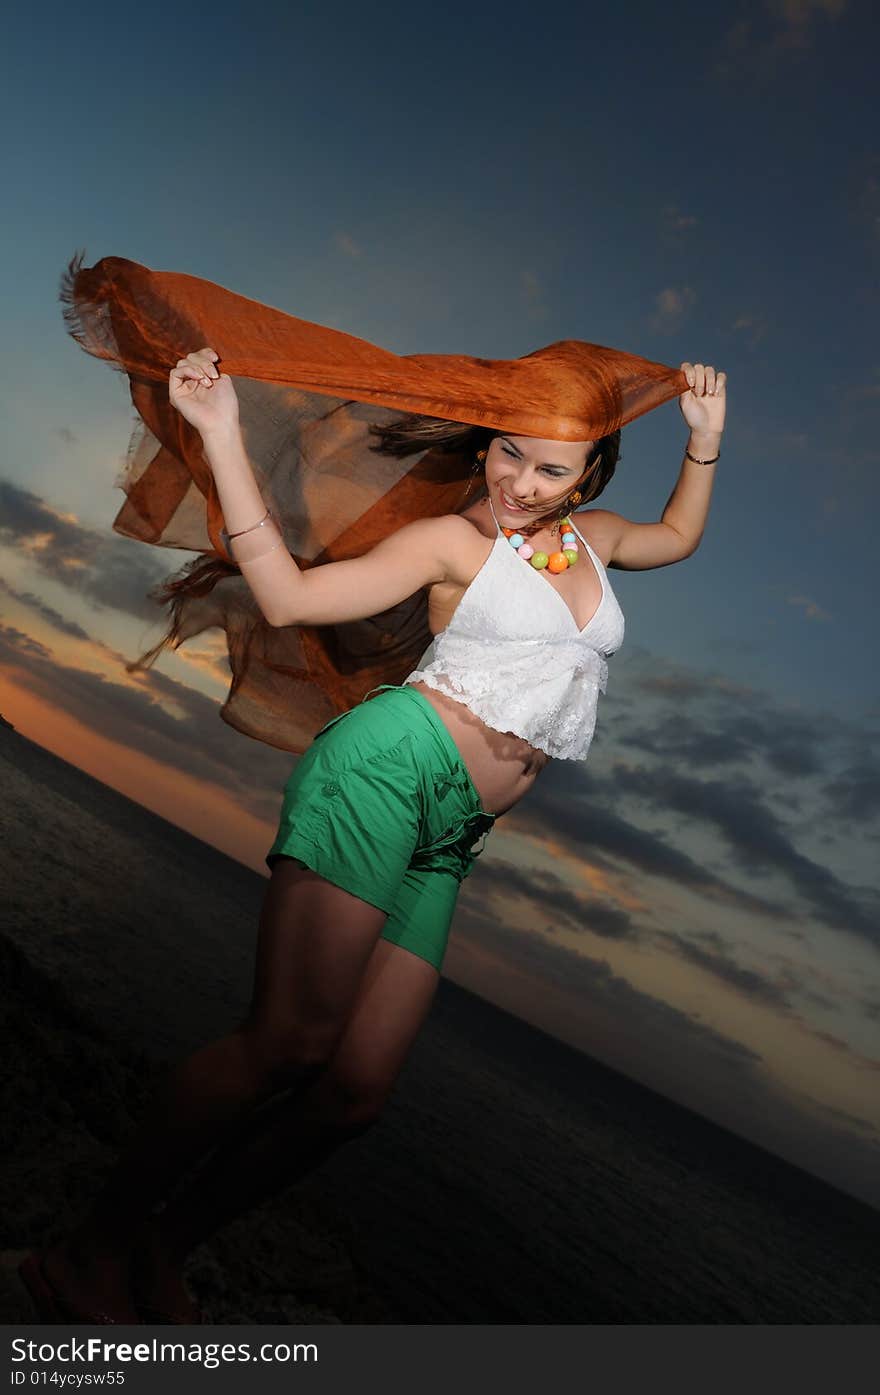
202, 394
703, 405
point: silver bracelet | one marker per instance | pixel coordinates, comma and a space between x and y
227, 537
697, 461
241, 532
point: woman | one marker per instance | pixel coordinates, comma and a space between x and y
380, 816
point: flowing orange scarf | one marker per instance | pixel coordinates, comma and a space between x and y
307, 397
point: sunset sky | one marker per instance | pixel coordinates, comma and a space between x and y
697, 904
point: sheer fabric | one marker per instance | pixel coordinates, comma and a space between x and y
308, 395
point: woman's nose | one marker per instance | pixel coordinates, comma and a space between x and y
523, 486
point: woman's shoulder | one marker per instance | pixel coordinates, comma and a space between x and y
478, 517
601, 528
458, 540
457, 527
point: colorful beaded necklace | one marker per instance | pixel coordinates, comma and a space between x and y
553, 561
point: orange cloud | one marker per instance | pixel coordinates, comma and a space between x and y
198, 806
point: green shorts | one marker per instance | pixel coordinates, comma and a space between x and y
383, 805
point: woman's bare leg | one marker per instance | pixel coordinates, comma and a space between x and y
315, 941
296, 1135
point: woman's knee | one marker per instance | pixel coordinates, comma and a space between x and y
287, 1056
348, 1102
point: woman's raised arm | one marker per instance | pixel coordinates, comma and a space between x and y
401, 564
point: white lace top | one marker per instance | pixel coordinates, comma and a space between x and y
514, 655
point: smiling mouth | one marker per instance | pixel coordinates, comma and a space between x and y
517, 508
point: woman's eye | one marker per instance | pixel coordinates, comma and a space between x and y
554, 474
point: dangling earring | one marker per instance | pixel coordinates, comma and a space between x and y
475, 469
571, 502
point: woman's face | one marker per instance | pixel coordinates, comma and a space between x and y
535, 474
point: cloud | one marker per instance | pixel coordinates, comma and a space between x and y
757, 841
703, 720
867, 391
533, 295
210, 655
854, 793
677, 220
674, 224
851, 1121
871, 1009
798, 20
114, 572
698, 757
586, 821
571, 911
782, 31
656, 1043
707, 951
189, 738
698, 752
670, 307
811, 609
15, 642
60, 622
752, 326
713, 739
601, 1012
48, 613
595, 983
346, 244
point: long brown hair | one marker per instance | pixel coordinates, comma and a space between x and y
407, 435
411, 433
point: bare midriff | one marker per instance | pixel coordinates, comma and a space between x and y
503, 767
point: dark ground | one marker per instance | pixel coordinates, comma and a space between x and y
511, 1179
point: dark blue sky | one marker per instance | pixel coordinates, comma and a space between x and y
486, 181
